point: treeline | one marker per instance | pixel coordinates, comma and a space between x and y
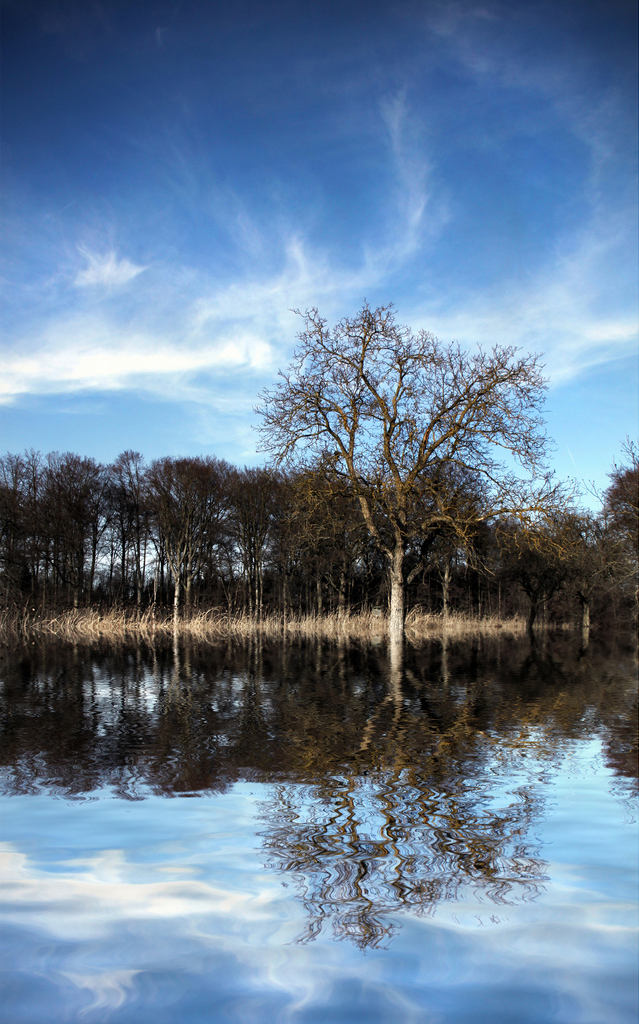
195, 533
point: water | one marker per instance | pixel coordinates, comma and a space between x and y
300, 835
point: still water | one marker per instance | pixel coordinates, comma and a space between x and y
300, 834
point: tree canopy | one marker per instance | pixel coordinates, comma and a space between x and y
406, 419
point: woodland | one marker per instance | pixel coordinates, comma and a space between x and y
189, 534
383, 496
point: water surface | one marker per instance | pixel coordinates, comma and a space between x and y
302, 834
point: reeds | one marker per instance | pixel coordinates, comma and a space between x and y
88, 625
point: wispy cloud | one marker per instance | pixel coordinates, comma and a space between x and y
106, 270
179, 332
566, 310
89, 354
179, 329
178, 343
577, 303
418, 213
491, 44
411, 165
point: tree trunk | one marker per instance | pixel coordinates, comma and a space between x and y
341, 596
176, 658
532, 614
187, 594
143, 574
138, 575
123, 568
94, 551
176, 604
585, 620
446, 591
396, 624
319, 594
285, 592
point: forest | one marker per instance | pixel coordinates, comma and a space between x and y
182, 535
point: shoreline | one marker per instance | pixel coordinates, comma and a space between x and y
88, 625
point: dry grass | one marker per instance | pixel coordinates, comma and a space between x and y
87, 625
458, 625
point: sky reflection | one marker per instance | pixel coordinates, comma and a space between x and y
120, 929
469, 847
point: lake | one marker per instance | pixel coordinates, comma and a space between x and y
307, 834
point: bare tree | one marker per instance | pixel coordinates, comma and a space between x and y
254, 495
328, 533
188, 497
621, 518
596, 563
12, 526
75, 497
538, 560
621, 499
392, 412
132, 515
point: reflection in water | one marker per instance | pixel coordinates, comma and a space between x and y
360, 850
396, 785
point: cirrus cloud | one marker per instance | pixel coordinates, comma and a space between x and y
106, 270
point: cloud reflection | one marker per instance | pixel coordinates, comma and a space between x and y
86, 898
110, 989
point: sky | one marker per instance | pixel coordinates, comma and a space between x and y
177, 177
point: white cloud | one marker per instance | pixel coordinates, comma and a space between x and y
537, 321
180, 342
90, 354
178, 328
418, 215
106, 270
411, 165
179, 335
177, 331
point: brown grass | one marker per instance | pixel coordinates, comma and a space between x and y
87, 625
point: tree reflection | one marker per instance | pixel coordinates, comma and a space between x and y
364, 849
394, 786
410, 826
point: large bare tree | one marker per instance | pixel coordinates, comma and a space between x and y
394, 412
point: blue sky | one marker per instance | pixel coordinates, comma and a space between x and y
177, 176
